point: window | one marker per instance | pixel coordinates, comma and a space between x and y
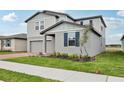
101, 28
57, 19
71, 39
8, 43
81, 22
41, 25
91, 22
36, 25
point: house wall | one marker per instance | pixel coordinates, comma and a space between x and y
93, 44
20, 45
34, 35
11, 48
16, 45
97, 23
48, 19
122, 45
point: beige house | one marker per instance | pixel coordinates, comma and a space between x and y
16, 42
122, 41
50, 32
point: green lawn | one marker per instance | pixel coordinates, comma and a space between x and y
8, 52
10, 76
109, 63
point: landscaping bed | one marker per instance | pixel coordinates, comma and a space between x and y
72, 57
10, 76
109, 63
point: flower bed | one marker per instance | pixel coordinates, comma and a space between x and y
73, 57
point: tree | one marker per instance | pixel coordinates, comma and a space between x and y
84, 38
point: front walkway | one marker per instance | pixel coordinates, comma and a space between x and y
4, 56
58, 74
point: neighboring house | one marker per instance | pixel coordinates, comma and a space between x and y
50, 32
122, 41
16, 42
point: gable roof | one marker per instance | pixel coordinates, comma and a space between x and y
122, 37
49, 13
55, 14
16, 36
93, 17
61, 22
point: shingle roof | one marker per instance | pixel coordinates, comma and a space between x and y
16, 36
49, 13
58, 23
93, 17
54, 14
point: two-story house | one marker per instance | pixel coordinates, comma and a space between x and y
50, 32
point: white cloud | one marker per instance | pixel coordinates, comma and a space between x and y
62, 11
9, 17
113, 22
23, 24
120, 13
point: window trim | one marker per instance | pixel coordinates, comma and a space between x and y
35, 25
39, 25
43, 25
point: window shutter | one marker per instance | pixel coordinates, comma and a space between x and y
77, 35
65, 39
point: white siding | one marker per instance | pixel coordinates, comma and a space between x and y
93, 44
49, 20
97, 23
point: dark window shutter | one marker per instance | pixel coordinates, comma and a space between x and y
65, 39
77, 35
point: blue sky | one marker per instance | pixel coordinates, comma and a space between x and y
12, 22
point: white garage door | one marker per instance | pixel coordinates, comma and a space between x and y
36, 46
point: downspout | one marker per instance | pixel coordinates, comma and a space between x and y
45, 43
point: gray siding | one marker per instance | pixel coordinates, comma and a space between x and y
122, 45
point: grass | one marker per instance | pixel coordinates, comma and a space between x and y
108, 63
10, 76
8, 52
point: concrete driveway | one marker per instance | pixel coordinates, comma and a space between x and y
4, 56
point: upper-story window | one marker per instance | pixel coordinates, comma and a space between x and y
81, 22
91, 22
101, 28
41, 25
36, 25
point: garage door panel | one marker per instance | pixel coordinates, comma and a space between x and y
36, 46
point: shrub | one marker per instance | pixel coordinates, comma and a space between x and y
73, 57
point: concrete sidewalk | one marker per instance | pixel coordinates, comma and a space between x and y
58, 74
